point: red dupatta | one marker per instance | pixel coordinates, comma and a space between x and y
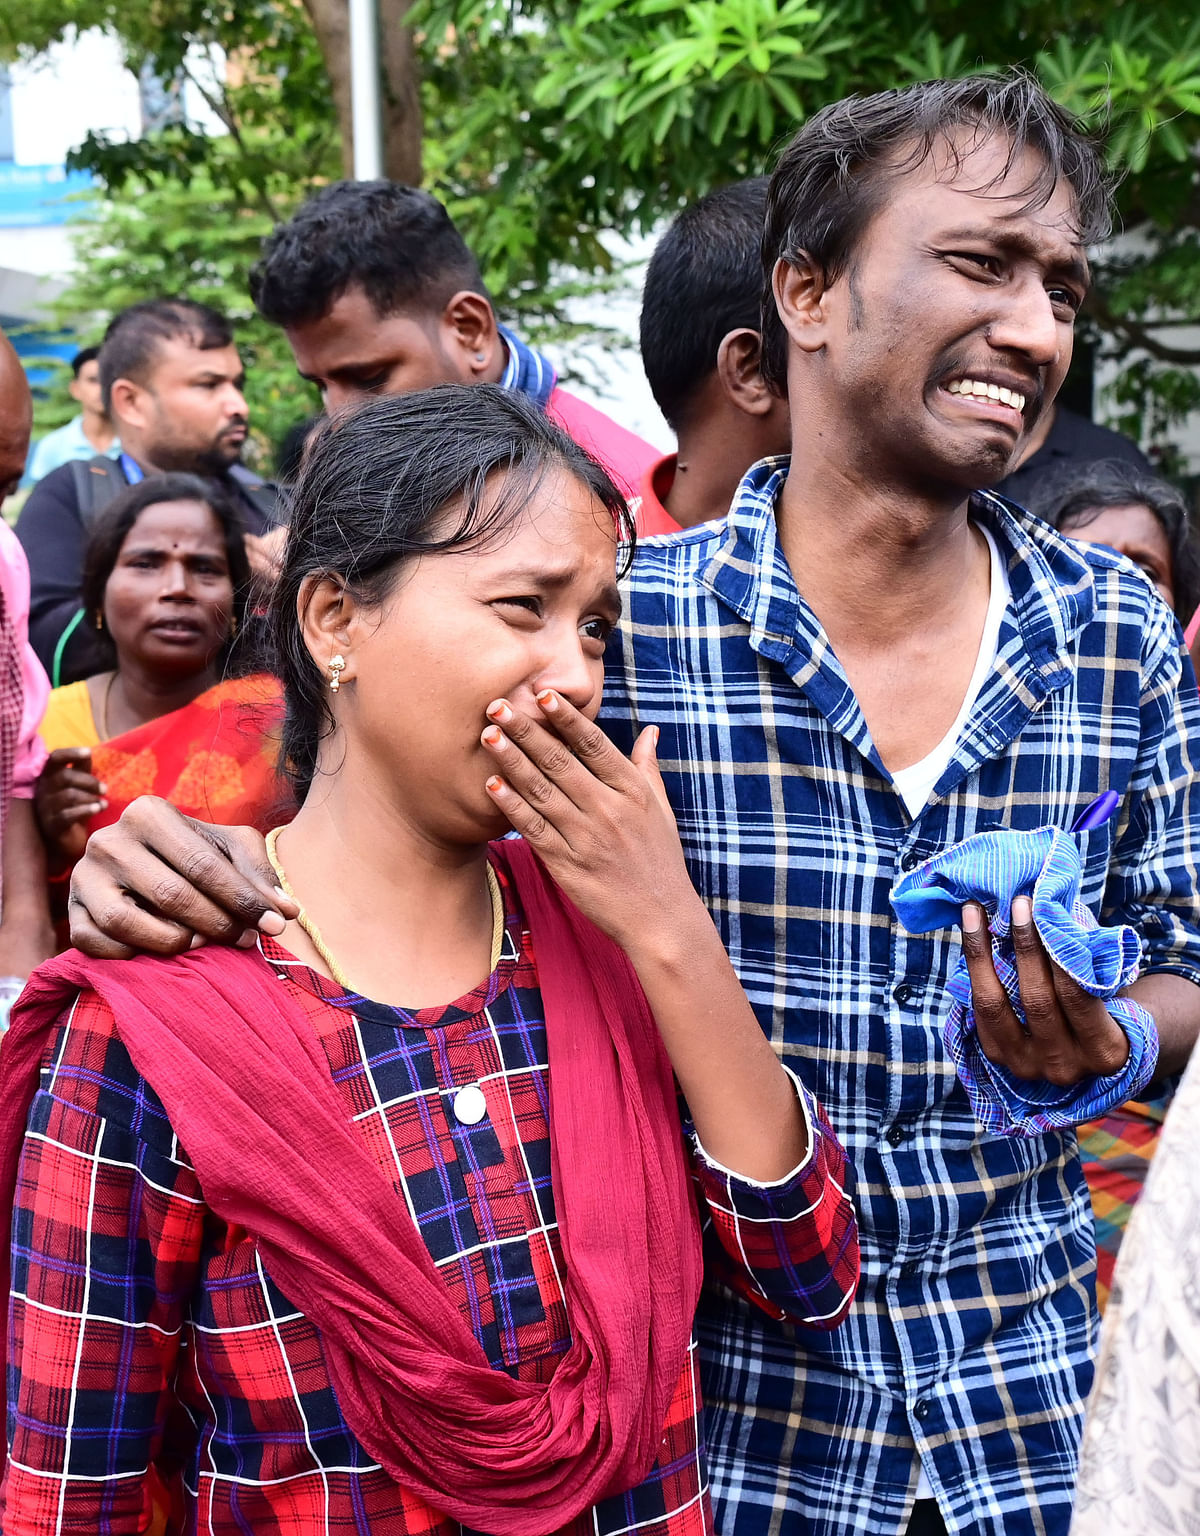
249, 1094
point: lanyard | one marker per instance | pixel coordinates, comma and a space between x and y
134, 473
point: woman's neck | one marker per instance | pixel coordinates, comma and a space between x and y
130, 696
407, 919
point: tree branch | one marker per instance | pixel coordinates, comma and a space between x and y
1136, 333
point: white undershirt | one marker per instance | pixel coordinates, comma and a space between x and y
915, 784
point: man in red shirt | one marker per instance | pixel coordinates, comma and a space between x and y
700, 349
377, 293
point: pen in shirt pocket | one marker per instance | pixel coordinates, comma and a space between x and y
1097, 813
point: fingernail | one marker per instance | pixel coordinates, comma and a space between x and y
493, 736
272, 923
104, 789
495, 784
1022, 910
198, 939
97, 807
500, 711
971, 918
657, 734
246, 940
548, 699
281, 893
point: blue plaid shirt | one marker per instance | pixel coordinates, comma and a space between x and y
971, 1341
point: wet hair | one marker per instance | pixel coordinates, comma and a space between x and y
403, 476
396, 243
1072, 495
112, 526
833, 178
81, 360
704, 280
133, 338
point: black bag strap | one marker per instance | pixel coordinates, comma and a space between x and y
97, 482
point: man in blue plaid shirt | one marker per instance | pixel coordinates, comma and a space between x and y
868, 661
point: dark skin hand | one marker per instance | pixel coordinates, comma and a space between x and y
67, 795
1068, 1034
215, 882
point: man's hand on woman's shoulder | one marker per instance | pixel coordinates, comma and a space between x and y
160, 881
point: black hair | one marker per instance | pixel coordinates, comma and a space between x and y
290, 454
133, 337
373, 493
1072, 495
704, 280
112, 527
82, 358
396, 243
831, 180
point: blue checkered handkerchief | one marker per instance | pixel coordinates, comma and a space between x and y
991, 868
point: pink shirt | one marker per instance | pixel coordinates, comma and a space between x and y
35, 685
624, 454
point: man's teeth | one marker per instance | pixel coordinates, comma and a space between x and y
984, 391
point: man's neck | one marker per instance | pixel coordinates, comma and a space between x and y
867, 557
98, 430
710, 462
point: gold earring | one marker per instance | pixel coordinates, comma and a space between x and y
337, 665
233, 626
99, 618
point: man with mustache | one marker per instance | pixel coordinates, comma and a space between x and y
172, 384
870, 660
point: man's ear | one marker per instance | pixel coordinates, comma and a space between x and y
801, 298
469, 322
739, 362
73, 389
129, 404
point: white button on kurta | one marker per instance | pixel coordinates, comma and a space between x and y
470, 1106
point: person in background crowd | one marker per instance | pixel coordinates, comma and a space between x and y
1139, 1467
869, 661
172, 382
701, 312
397, 1282
1117, 504
377, 293
84, 436
25, 932
1062, 438
165, 587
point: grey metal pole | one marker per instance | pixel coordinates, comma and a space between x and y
366, 116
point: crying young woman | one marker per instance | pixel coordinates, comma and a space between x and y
396, 1222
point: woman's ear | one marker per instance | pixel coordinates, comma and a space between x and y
800, 292
330, 621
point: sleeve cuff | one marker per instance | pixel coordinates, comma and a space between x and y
802, 1167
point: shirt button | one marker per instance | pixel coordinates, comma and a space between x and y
904, 993
470, 1106
910, 860
910, 1270
921, 1408
896, 1135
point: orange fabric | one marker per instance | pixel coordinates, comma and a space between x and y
214, 759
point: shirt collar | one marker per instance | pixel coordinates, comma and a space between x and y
1053, 592
526, 370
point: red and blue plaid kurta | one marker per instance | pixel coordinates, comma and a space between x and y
144, 1331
